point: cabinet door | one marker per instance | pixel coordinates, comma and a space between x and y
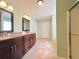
27, 43
6, 50
33, 39
27, 46
18, 52
18, 47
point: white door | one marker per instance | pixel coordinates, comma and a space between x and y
44, 29
75, 46
75, 32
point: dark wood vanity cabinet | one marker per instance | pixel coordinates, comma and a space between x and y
15, 48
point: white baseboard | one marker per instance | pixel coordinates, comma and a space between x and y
62, 58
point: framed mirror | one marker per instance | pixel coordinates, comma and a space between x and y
6, 21
25, 24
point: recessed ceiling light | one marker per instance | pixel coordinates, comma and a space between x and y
40, 2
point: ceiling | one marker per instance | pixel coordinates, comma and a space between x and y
38, 12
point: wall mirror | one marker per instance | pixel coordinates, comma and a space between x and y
25, 24
6, 21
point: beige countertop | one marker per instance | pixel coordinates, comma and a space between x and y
14, 35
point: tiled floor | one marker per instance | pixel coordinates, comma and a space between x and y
43, 49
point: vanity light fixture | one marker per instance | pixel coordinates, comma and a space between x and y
2, 3
40, 2
27, 17
10, 7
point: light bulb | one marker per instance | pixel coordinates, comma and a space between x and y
2, 3
40, 2
10, 7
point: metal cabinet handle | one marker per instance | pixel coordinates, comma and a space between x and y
15, 47
12, 49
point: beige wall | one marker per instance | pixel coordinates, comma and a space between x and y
18, 14
33, 26
62, 7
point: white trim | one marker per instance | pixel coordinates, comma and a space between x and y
74, 4
68, 49
62, 58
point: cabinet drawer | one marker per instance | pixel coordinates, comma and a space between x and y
33, 35
18, 40
6, 43
27, 44
26, 38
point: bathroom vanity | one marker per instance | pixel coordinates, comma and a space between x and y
16, 45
